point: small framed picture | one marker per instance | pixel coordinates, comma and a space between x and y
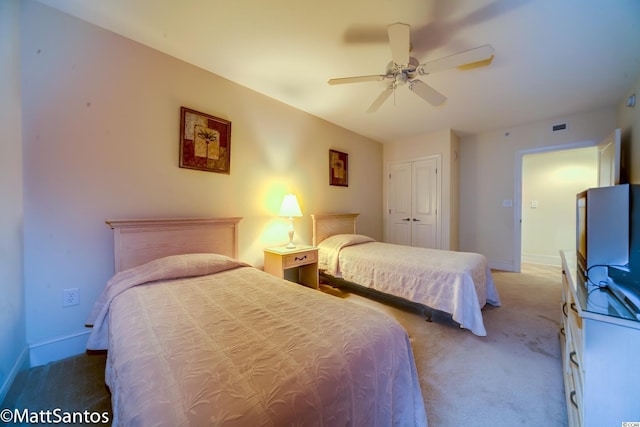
205, 142
338, 168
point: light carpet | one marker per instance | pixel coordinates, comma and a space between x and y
511, 377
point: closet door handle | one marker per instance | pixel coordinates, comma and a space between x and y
573, 307
564, 310
572, 398
406, 219
416, 219
572, 356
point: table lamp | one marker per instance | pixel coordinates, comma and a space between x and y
290, 208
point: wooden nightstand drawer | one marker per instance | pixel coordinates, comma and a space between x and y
303, 258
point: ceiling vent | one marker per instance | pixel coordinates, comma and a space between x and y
559, 127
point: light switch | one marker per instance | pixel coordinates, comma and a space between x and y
507, 203
534, 204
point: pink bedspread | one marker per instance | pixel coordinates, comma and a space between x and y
242, 348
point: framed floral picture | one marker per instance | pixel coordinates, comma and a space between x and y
205, 142
338, 168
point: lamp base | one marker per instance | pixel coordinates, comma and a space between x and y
291, 245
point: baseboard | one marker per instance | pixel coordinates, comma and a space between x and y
58, 348
542, 259
500, 265
22, 362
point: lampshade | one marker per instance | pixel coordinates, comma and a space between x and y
290, 206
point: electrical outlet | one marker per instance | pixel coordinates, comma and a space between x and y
70, 297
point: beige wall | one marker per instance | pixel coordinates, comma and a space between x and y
13, 349
444, 143
100, 139
488, 177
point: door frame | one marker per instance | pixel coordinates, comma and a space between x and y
517, 200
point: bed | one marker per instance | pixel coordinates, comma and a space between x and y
457, 283
196, 337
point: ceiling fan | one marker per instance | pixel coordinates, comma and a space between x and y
403, 69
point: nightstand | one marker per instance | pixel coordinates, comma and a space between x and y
297, 265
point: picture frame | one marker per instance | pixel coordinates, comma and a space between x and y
205, 142
338, 168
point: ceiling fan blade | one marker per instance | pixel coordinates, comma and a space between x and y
357, 79
426, 92
399, 39
380, 99
467, 57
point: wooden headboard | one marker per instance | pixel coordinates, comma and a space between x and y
139, 241
326, 225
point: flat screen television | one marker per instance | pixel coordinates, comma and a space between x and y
602, 230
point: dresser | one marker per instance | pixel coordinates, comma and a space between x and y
600, 343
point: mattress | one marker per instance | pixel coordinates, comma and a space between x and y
227, 344
459, 283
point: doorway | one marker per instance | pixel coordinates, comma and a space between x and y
550, 181
608, 172
518, 198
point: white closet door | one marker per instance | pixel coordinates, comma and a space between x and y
399, 202
412, 200
424, 216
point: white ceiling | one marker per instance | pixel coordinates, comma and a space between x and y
552, 57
